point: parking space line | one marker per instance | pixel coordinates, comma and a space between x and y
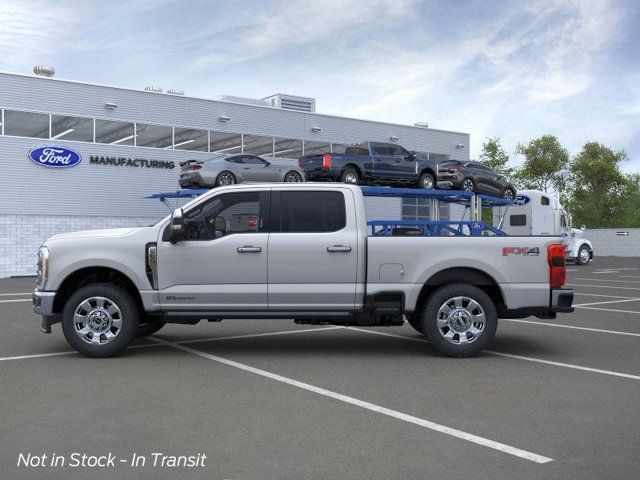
588, 329
16, 300
363, 404
607, 301
599, 295
604, 286
14, 294
611, 310
606, 280
509, 355
180, 342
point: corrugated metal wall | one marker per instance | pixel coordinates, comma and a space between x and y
614, 242
88, 189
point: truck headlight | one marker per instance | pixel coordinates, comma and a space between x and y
43, 266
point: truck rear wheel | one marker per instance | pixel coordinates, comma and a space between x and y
100, 319
350, 175
459, 320
415, 321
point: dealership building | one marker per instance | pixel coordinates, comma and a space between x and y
130, 143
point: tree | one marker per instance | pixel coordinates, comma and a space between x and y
495, 156
600, 193
545, 164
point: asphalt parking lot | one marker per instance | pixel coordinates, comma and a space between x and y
270, 399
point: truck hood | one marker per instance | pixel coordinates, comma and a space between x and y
107, 232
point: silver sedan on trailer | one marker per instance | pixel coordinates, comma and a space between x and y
238, 168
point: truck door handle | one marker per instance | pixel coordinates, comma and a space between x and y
338, 248
249, 249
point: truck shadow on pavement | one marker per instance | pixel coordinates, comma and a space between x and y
351, 344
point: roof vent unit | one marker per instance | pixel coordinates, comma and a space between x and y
292, 102
243, 100
422, 124
175, 91
153, 88
44, 71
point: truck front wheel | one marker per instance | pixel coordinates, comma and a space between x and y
459, 320
100, 319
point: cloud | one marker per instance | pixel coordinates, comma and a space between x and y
32, 29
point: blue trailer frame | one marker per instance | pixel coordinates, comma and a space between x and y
473, 227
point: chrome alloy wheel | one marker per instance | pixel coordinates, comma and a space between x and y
427, 182
97, 320
584, 255
293, 177
226, 178
461, 320
508, 194
351, 177
467, 185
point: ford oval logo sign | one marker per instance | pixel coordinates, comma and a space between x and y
521, 200
56, 157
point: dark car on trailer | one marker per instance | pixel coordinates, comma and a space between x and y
372, 163
475, 177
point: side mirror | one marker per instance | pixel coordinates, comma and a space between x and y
176, 226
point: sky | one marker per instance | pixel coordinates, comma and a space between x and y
514, 70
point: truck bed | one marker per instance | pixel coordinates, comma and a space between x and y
517, 264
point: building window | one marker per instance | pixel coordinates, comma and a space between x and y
312, 147
287, 148
258, 145
420, 209
114, 133
157, 136
72, 128
190, 139
225, 142
26, 124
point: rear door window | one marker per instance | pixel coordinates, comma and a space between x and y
301, 212
381, 150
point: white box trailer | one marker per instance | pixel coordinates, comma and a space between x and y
537, 213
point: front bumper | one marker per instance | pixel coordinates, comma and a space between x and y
43, 305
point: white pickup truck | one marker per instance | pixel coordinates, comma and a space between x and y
293, 251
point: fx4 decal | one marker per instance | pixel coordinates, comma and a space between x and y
523, 251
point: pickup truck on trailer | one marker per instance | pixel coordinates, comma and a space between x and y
372, 163
296, 251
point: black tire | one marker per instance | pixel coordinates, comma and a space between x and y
349, 173
222, 176
150, 328
293, 177
129, 316
509, 194
415, 320
468, 185
427, 179
433, 333
579, 260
